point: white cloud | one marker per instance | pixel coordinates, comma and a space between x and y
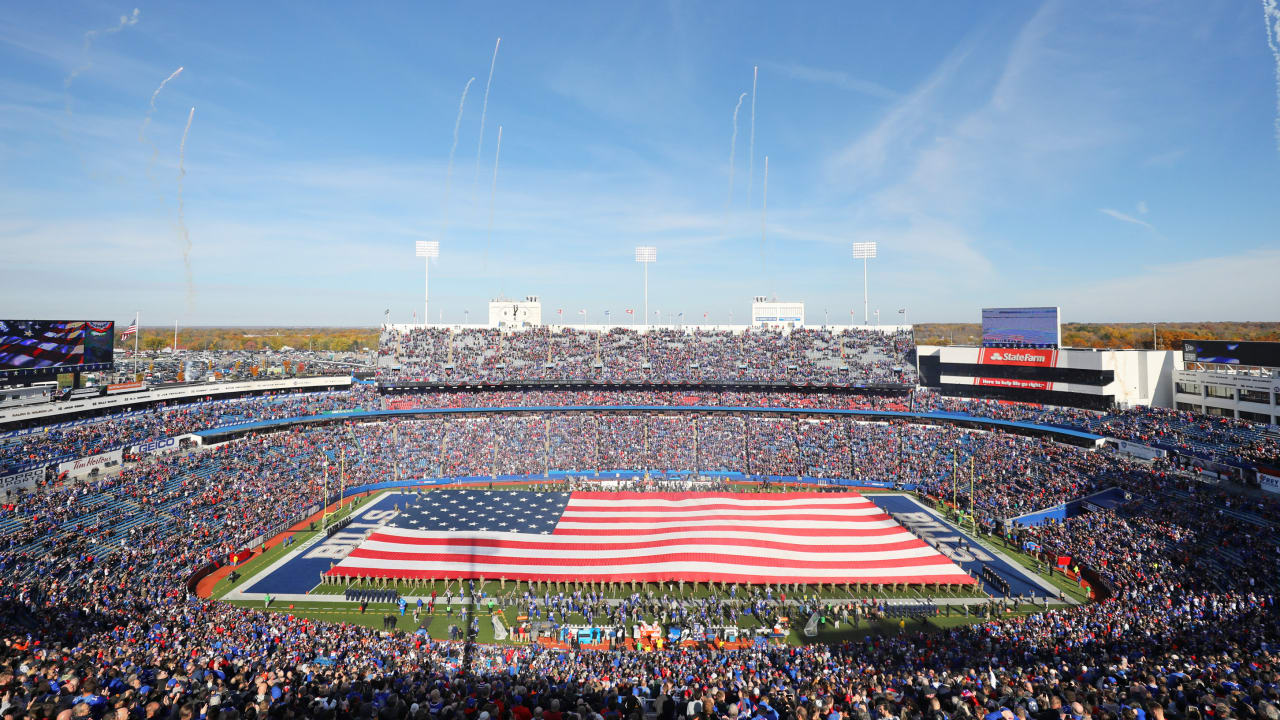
1230, 287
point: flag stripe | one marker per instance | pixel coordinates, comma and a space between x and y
553, 542
924, 555
743, 575
772, 516
890, 528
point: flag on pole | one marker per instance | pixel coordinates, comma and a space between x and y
606, 313
630, 311
729, 537
582, 311
133, 328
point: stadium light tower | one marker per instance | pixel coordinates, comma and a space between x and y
864, 251
427, 249
646, 254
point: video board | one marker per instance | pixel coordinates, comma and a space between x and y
1229, 352
45, 346
1031, 327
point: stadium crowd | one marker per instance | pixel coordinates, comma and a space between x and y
82, 438
841, 357
97, 621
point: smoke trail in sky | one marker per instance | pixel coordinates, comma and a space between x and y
764, 215
484, 108
142, 131
733, 146
448, 180
751, 172
1271, 14
493, 193
182, 218
125, 21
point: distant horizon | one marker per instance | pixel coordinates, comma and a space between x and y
221, 326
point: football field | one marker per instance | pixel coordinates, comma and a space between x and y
313, 568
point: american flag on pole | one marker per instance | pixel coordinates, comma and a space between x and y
729, 537
133, 328
40, 344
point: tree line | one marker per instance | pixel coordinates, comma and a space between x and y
1114, 335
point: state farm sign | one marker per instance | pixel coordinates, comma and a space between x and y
1018, 356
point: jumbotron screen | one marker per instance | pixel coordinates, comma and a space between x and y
1232, 352
1036, 327
56, 345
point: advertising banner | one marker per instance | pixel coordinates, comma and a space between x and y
1031, 357
21, 480
86, 465
1133, 449
1014, 383
163, 445
1269, 482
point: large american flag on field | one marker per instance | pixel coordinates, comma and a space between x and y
593, 536
39, 344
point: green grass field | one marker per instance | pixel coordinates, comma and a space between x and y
437, 625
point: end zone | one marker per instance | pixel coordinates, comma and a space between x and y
294, 575
963, 549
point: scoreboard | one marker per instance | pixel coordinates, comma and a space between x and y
39, 348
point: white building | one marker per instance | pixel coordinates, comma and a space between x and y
776, 313
519, 313
1076, 377
1244, 383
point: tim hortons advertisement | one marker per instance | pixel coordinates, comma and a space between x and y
1034, 357
1014, 383
86, 465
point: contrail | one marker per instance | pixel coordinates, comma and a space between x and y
764, 214
493, 193
125, 21
484, 109
1271, 14
733, 146
182, 219
751, 172
142, 131
448, 180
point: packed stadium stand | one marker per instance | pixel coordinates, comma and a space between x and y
99, 614
849, 356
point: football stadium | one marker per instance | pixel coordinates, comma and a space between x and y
966, 501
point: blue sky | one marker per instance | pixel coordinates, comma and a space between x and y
1119, 159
